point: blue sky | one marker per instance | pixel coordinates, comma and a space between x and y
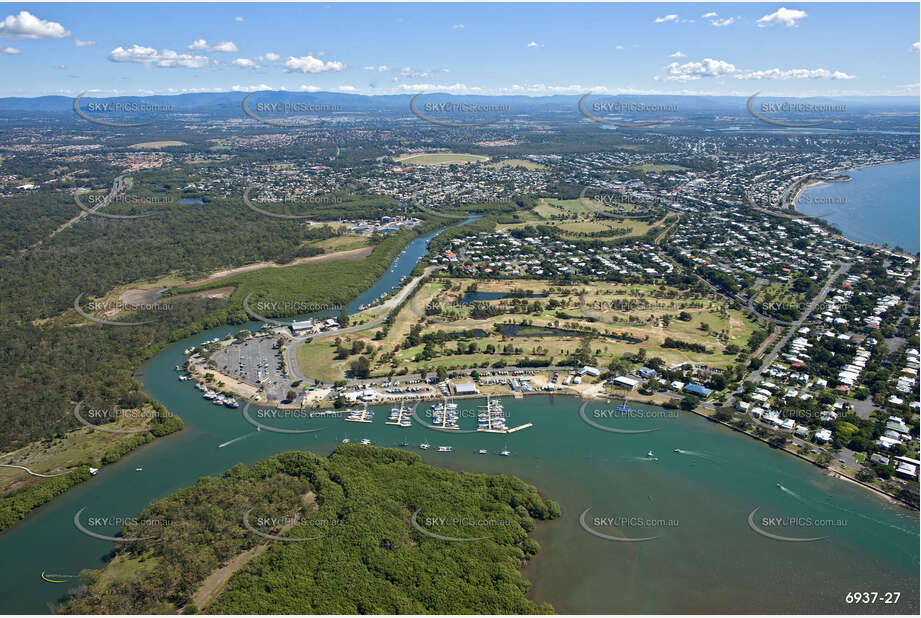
793, 49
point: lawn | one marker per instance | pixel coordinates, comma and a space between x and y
528, 165
439, 158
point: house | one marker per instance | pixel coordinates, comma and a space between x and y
646, 372
823, 435
592, 371
676, 385
625, 382
879, 458
697, 389
465, 388
303, 326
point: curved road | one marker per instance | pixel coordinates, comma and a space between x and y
384, 308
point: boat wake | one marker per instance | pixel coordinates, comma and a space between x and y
229, 442
697, 454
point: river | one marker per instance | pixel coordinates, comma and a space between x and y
697, 503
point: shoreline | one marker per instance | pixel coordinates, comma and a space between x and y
827, 471
790, 207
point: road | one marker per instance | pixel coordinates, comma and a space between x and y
384, 308
118, 185
755, 376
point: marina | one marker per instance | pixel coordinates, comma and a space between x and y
400, 416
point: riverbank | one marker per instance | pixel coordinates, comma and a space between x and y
828, 471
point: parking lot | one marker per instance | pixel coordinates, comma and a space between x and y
256, 361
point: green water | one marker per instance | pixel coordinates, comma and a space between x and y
709, 561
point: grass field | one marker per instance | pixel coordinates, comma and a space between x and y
528, 165
53, 456
723, 326
149, 145
346, 242
439, 158
316, 361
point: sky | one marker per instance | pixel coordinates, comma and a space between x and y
782, 49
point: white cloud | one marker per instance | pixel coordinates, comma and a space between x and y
269, 57
250, 88
696, 70
667, 18
677, 54
347, 88
245, 63
458, 26
794, 74
28, 26
10, 51
308, 88
225, 46
916, 46
709, 15
166, 58
618, 47
80, 43
782, 16
379, 69
533, 44
727, 21
709, 67
416, 88
202, 45
309, 64
239, 19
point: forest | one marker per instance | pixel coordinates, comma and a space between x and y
365, 551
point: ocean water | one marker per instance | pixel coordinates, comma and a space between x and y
879, 205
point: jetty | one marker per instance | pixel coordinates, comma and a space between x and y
361, 416
400, 416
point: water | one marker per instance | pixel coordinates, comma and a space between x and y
401, 266
878, 205
187, 200
710, 560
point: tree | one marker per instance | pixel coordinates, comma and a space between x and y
360, 367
